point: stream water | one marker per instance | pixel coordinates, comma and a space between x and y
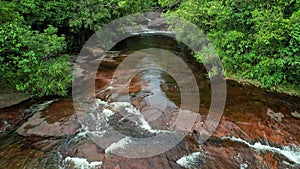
258, 129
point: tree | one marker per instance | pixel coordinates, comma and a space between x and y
255, 39
30, 60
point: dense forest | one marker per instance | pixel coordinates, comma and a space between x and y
256, 40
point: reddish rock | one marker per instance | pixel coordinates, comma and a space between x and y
59, 119
11, 118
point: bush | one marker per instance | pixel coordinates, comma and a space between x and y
30, 60
255, 39
78, 19
30, 47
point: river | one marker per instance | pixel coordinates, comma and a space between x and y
258, 129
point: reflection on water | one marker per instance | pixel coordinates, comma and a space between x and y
248, 136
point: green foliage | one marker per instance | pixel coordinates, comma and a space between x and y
41, 13
168, 3
32, 38
255, 39
29, 60
7, 12
78, 19
50, 78
95, 13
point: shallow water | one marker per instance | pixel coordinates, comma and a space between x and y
257, 129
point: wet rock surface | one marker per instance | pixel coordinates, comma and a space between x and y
258, 129
12, 117
59, 119
9, 120
9, 98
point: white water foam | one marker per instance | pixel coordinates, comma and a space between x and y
191, 161
288, 152
39, 107
5, 126
136, 115
109, 110
80, 163
244, 166
118, 145
108, 113
97, 124
99, 102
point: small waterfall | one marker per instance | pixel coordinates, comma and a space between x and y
291, 153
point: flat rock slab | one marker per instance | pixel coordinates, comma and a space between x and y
9, 98
57, 120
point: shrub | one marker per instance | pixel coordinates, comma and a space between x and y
255, 39
30, 60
